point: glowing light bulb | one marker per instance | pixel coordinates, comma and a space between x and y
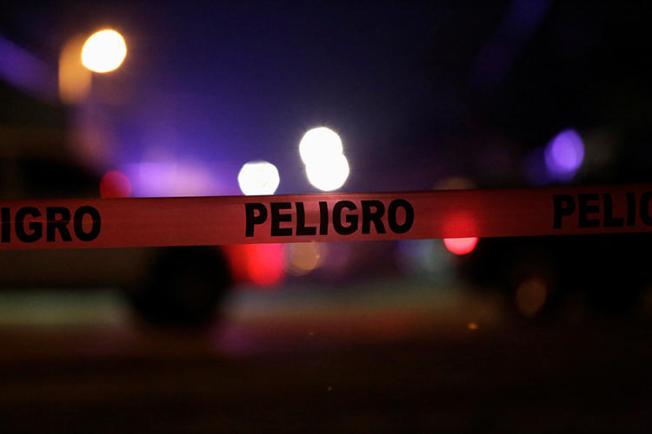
104, 51
330, 173
319, 143
258, 178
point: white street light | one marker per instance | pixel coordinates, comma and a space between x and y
104, 51
258, 178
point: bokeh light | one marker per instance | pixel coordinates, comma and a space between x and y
531, 295
564, 155
266, 263
318, 144
459, 221
304, 257
114, 184
171, 178
258, 178
460, 246
104, 51
74, 79
260, 264
322, 153
329, 174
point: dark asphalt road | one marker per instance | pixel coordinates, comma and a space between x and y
388, 370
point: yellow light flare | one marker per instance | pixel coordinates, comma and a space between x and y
74, 79
531, 295
305, 257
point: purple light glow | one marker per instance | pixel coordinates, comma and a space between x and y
564, 155
162, 179
21, 69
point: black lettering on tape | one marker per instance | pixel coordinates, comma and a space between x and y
78, 223
255, 214
392, 216
35, 228
563, 206
302, 229
323, 218
631, 208
645, 208
58, 219
351, 219
609, 220
372, 212
586, 208
278, 218
5, 232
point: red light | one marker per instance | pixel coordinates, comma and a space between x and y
115, 184
261, 264
461, 246
266, 264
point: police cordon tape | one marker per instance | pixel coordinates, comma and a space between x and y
149, 222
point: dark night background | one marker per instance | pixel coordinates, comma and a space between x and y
425, 90
514, 335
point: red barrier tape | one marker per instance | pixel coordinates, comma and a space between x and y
79, 223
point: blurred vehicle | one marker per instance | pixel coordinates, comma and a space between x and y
544, 276
540, 275
182, 286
